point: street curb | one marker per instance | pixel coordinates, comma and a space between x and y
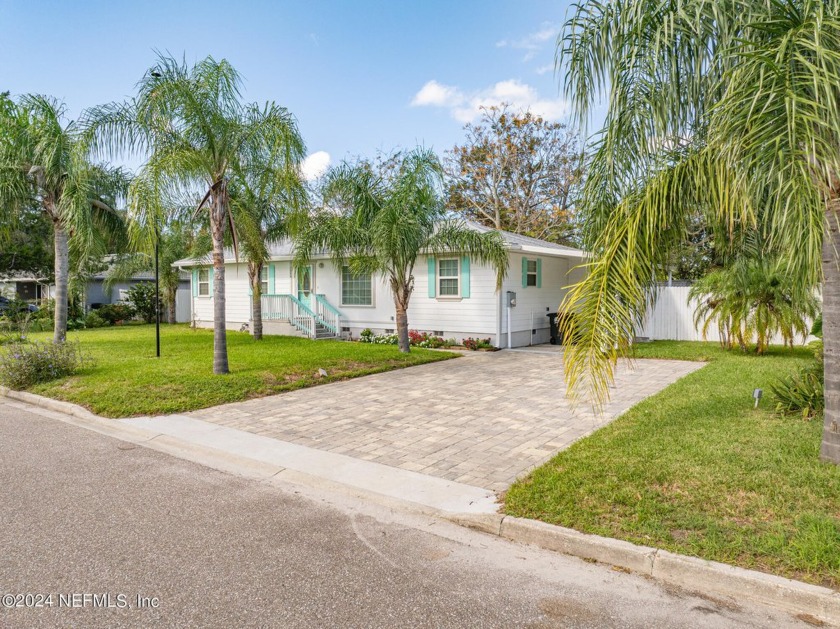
691, 573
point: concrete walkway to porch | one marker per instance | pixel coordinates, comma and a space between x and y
481, 420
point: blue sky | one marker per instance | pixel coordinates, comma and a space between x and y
360, 76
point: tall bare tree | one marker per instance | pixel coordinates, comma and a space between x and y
517, 172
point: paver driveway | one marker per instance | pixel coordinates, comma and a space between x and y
483, 419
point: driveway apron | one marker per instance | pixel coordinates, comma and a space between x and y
483, 419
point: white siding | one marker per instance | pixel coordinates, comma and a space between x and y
532, 303
473, 316
459, 318
237, 300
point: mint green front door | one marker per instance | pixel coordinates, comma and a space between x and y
305, 285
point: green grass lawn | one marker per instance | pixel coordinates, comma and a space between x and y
695, 470
126, 379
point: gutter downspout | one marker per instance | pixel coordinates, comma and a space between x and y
499, 318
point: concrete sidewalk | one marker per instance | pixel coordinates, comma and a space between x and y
422, 489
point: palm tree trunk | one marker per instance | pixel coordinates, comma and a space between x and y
254, 273
218, 216
172, 310
402, 294
402, 329
62, 274
830, 450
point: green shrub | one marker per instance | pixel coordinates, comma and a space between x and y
26, 364
367, 336
115, 312
42, 325
75, 324
93, 320
801, 392
141, 298
477, 344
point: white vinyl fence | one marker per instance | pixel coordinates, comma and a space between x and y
672, 319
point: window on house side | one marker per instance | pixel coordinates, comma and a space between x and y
204, 282
449, 278
356, 290
531, 278
264, 281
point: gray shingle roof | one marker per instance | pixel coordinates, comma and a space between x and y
285, 248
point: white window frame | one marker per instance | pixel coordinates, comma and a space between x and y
529, 273
264, 280
456, 277
204, 282
346, 305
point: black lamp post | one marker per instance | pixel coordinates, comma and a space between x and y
156, 75
157, 294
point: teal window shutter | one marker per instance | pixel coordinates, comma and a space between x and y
432, 276
210, 278
195, 282
271, 272
524, 272
539, 273
465, 277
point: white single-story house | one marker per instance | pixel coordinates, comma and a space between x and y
454, 297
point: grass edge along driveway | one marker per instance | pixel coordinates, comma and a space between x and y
125, 379
696, 470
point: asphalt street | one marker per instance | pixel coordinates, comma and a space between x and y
103, 533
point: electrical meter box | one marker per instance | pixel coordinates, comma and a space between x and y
511, 299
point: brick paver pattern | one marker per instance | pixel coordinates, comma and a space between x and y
483, 419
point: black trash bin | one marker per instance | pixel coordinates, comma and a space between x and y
554, 333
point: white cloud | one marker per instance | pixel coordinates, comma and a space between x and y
466, 107
315, 165
437, 95
548, 67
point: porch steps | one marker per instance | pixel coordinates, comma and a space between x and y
323, 332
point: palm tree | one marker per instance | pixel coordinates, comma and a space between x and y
753, 298
729, 107
379, 219
200, 137
43, 164
265, 200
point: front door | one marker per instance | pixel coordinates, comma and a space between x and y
305, 284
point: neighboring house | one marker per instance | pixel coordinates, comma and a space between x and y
25, 286
454, 297
96, 294
34, 289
